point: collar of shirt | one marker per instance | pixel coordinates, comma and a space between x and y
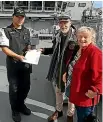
12, 26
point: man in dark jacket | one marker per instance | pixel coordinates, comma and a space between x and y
63, 51
15, 42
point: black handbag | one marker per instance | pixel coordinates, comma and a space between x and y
92, 117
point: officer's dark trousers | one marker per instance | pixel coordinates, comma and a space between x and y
19, 84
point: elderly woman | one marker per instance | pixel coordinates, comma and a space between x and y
87, 74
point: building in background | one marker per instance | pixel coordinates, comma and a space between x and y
41, 15
76, 8
93, 18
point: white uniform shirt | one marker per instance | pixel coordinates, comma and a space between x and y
4, 41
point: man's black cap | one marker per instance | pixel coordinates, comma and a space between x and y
64, 17
19, 12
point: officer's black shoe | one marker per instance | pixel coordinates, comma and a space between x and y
24, 110
16, 116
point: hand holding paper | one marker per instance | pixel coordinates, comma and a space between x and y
32, 57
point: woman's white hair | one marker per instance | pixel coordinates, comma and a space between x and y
91, 30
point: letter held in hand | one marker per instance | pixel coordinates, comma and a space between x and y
32, 57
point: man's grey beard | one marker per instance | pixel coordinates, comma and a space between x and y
65, 34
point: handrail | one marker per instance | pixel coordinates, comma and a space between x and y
49, 8
29, 7
35, 8
12, 7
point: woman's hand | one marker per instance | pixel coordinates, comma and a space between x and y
64, 77
91, 94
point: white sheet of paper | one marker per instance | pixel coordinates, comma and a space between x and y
32, 57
